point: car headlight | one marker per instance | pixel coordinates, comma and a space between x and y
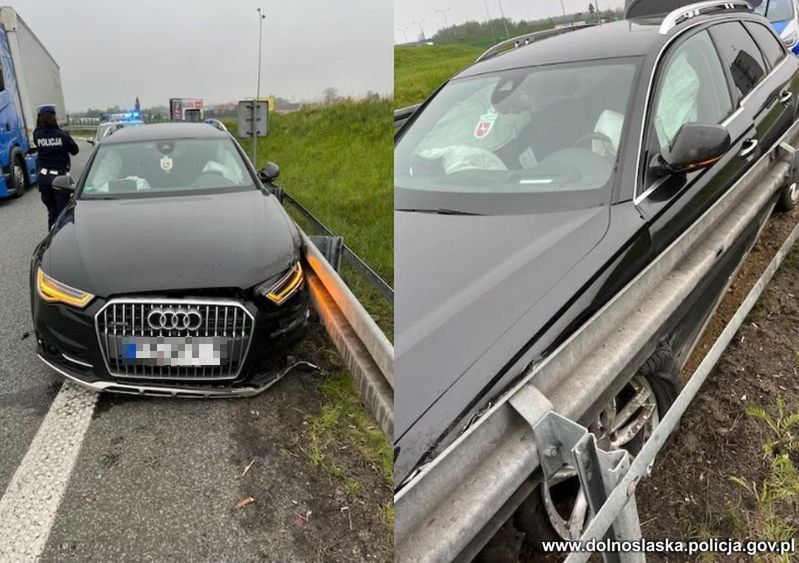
278, 292
54, 291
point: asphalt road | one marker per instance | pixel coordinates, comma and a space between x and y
137, 479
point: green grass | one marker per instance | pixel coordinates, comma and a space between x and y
342, 422
776, 497
418, 71
337, 161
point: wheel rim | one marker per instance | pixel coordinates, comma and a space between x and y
793, 192
626, 422
19, 177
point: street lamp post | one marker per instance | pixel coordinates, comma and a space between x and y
261, 18
490, 27
421, 29
504, 21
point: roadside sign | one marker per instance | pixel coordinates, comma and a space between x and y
246, 118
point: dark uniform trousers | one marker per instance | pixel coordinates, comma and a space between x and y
54, 199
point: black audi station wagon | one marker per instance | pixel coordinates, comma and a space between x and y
537, 183
173, 269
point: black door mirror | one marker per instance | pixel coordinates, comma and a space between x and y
64, 183
269, 173
696, 146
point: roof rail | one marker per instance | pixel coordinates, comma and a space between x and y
526, 39
685, 13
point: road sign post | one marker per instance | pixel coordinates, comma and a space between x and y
253, 122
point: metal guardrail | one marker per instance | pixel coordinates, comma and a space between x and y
454, 504
401, 116
365, 349
335, 249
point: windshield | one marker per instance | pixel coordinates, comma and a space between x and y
165, 167
547, 135
778, 10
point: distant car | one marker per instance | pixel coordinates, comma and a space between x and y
173, 269
784, 17
537, 183
108, 127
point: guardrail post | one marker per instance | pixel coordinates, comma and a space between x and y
331, 248
564, 443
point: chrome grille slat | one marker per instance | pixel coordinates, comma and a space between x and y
123, 318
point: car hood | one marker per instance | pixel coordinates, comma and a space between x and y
463, 281
228, 240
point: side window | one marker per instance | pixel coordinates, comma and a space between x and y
768, 42
740, 54
692, 88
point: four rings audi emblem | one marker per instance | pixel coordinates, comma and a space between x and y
174, 319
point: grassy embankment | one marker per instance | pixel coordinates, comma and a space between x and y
337, 162
418, 71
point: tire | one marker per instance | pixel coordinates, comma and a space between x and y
788, 198
659, 374
18, 179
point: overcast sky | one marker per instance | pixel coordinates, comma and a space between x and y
406, 12
111, 51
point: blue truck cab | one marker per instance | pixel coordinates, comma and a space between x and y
29, 78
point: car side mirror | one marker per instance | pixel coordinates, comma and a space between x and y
269, 173
64, 183
696, 146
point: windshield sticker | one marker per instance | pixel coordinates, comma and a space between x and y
166, 163
486, 124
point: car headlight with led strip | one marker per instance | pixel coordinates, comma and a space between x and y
53, 291
280, 291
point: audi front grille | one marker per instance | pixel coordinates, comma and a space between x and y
151, 323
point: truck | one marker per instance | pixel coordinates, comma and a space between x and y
29, 78
186, 109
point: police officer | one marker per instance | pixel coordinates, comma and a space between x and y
54, 147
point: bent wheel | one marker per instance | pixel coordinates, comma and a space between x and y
559, 510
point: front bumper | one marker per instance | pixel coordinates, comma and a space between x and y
67, 341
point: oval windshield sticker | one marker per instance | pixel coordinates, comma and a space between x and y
166, 163
485, 124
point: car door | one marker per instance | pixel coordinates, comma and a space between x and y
781, 82
691, 86
764, 93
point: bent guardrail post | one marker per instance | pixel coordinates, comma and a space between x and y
668, 424
367, 352
447, 504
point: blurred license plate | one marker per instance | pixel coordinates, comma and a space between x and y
173, 351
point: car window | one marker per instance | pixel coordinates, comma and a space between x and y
541, 130
692, 89
768, 43
143, 168
778, 10
740, 54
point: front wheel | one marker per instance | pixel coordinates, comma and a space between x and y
788, 198
559, 510
18, 178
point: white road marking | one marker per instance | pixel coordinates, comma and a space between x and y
29, 505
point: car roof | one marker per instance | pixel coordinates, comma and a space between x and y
624, 38
164, 131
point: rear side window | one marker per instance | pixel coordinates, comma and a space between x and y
740, 54
768, 43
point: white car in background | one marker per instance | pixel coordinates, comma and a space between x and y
105, 129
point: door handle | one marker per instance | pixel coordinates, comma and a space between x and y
749, 147
786, 97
